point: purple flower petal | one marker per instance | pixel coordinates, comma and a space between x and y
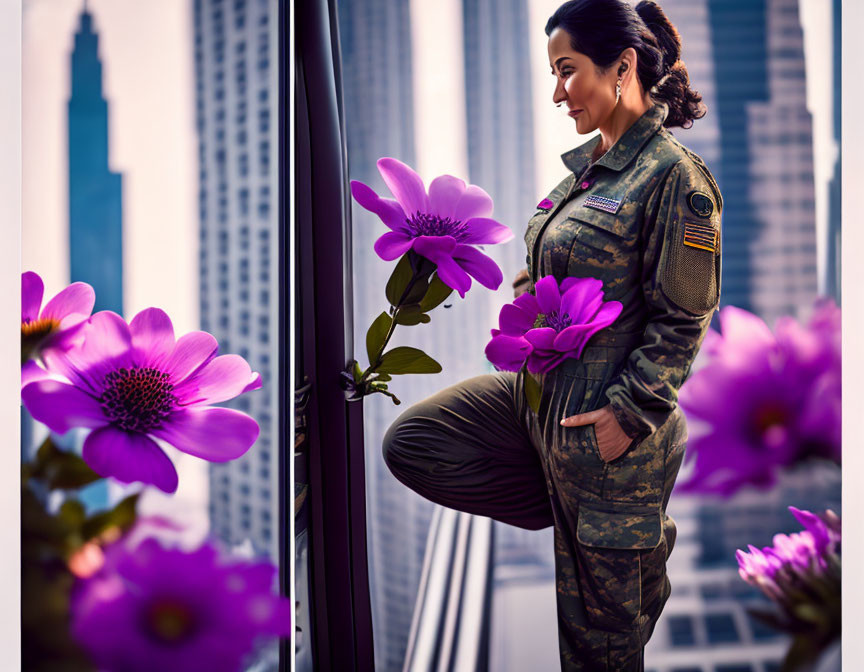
479, 266
152, 336
474, 203
576, 337
438, 250
544, 361
405, 185
393, 245
542, 338
508, 352
528, 303
514, 321
214, 434
255, 383
76, 299
548, 298
482, 230
581, 298
32, 290
444, 193
129, 457
191, 352
107, 346
224, 378
31, 372
61, 406
389, 211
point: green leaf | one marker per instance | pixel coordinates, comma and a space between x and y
357, 372
376, 335
59, 469
532, 392
72, 513
399, 279
418, 290
411, 315
123, 516
403, 359
384, 377
435, 295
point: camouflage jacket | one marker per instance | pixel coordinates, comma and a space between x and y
644, 219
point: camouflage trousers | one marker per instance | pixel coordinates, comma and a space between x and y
477, 447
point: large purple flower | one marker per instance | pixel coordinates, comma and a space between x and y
764, 401
57, 324
794, 560
156, 608
552, 326
129, 383
443, 225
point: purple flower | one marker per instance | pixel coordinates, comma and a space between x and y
129, 383
763, 402
545, 204
552, 326
157, 608
443, 225
58, 323
794, 560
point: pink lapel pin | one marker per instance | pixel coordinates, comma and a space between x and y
545, 204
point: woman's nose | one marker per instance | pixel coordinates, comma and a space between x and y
559, 95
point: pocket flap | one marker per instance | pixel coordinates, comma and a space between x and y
610, 526
618, 223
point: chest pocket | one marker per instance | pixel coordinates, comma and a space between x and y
602, 242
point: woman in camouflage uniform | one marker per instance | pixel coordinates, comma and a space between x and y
640, 212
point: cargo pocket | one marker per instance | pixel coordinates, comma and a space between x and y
611, 547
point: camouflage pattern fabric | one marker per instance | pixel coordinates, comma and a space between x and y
645, 219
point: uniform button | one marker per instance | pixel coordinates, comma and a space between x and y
586, 184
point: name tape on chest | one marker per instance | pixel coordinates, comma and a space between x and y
602, 203
701, 236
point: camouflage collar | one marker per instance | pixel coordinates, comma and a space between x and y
627, 147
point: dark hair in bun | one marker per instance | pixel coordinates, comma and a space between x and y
602, 29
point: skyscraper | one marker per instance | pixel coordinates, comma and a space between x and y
95, 192
375, 41
236, 108
95, 196
766, 164
832, 271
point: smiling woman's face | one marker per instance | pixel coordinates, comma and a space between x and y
589, 96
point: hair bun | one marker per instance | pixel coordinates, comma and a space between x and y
666, 34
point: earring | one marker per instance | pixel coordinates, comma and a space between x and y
618, 92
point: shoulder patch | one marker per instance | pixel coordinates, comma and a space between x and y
701, 236
700, 203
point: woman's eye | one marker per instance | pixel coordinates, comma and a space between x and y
566, 73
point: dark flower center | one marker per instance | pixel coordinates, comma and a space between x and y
425, 224
137, 399
770, 423
38, 329
169, 621
558, 321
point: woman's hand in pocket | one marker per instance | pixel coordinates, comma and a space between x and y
612, 442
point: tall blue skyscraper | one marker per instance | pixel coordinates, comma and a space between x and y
95, 192
766, 163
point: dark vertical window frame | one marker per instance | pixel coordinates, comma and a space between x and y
341, 636
285, 528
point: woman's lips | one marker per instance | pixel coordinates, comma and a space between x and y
574, 113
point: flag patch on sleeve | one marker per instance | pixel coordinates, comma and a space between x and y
702, 236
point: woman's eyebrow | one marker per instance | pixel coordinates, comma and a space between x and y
558, 61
